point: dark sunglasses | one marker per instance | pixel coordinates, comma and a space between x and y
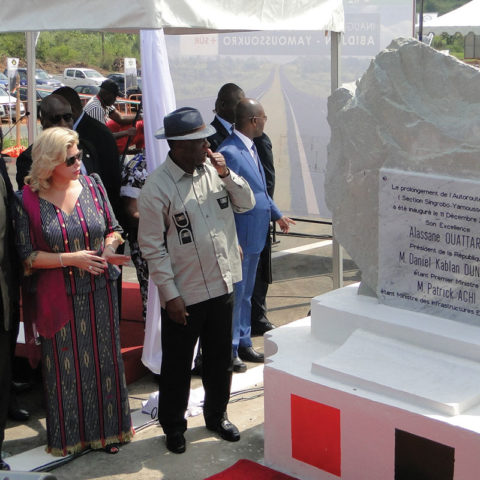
55, 119
71, 160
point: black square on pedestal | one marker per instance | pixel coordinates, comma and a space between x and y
418, 458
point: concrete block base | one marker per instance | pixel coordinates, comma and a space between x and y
366, 391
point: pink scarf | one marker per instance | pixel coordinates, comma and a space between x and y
50, 309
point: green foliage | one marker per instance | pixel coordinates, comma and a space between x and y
11, 142
453, 43
75, 47
12, 44
440, 6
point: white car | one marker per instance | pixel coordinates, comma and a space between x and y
82, 76
8, 104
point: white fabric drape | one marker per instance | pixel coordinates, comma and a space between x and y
158, 100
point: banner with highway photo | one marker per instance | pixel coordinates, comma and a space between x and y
289, 73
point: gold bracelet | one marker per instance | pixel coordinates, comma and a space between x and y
61, 261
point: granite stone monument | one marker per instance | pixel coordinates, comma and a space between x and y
381, 383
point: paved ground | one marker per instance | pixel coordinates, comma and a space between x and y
297, 278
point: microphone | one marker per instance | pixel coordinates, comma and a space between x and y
15, 123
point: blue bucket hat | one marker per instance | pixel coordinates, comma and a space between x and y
185, 123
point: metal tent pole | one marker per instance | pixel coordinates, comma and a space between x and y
337, 253
31, 40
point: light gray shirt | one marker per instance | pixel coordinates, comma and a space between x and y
187, 231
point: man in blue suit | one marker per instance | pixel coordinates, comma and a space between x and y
241, 156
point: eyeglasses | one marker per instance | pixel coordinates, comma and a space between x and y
55, 119
71, 160
264, 117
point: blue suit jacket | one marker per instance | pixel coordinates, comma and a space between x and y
252, 226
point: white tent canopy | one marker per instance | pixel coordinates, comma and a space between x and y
462, 20
174, 16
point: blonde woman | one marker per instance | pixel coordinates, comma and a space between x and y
67, 235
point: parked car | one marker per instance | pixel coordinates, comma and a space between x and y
42, 79
40, 94
3, 81
119, 79
8, 104
82, 76
87, 89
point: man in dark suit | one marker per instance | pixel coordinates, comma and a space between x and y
259, 321
227, 99
55, 111
241, 156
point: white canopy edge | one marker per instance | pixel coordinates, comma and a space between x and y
464, 20
174, 16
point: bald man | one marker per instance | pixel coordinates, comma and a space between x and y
242, 157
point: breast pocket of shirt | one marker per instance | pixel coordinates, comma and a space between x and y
222, 202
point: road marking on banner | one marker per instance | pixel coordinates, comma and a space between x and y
310, 196
303, 248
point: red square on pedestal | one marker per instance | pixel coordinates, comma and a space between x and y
316, 434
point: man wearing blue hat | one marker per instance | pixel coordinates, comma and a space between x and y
187, 235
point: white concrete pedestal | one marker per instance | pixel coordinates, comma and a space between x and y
376, 371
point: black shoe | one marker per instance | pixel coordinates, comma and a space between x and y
226, 429
259, 328
176, 442
18, 414
19, 387
238, 365
3, 465
248, 354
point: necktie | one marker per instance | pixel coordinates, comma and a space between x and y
255, 156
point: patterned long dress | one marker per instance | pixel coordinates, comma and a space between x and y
83, 375
134, 174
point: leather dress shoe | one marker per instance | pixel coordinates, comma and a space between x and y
176, 442
238, 365
259, 328
3, 465
226, 429
18, 414
248, 354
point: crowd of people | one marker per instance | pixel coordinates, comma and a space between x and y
198, 226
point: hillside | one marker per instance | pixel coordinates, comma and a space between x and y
440, 6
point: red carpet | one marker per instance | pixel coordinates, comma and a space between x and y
246, 469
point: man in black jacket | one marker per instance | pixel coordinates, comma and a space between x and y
9, 297
55, 111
